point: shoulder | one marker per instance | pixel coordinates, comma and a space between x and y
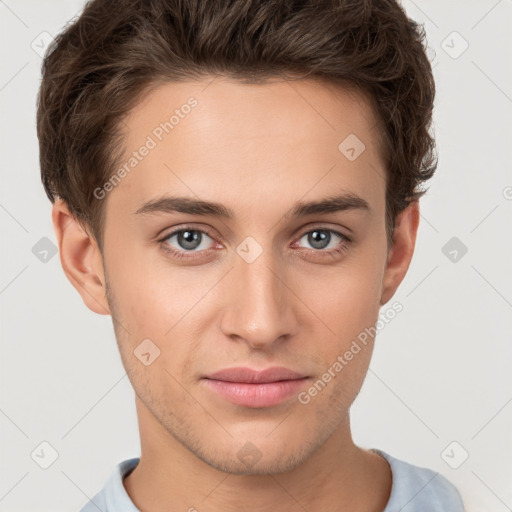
419, 489
98, 502
113, 497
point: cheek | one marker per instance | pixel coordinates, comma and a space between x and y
347, 300
350, 310
163, 304
151, 295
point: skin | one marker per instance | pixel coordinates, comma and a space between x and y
257, 149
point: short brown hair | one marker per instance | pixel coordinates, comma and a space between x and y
97, 68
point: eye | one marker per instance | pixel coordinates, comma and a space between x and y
194, 243
324, 240
186, 240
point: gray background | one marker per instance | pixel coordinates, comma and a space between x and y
439, 388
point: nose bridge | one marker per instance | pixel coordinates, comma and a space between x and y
259, 307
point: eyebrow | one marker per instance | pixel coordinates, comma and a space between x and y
190, 206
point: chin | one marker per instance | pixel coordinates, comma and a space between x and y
255, 455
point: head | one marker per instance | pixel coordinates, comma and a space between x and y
293, 143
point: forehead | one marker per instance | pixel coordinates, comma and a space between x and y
269, 108
220, 137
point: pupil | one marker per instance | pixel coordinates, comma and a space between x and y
319, 239
189, 239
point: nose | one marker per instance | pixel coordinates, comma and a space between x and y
259, 304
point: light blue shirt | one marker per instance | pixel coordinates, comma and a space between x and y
414, 489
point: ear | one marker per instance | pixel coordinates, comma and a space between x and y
400, 255
80, 258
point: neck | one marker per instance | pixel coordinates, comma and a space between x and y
337, 476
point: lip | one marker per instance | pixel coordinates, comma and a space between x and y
250, 376
255, 388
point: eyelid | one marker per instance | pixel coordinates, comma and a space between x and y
206, 230
179, 229
324, 227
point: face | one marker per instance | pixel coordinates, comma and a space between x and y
270, 275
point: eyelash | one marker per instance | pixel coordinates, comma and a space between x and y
341, 248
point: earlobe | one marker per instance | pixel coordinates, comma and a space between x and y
80, 258
400, 255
